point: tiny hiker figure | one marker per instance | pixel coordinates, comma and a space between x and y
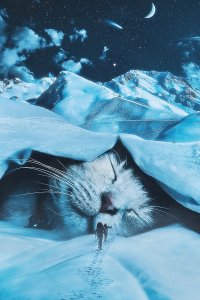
106, 231
100, 231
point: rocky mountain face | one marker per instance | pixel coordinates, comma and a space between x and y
99, 107
144, 87
137, 102
164, 85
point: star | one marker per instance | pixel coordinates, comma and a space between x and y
114, 64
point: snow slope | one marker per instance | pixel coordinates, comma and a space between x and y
185, 130
97, 108
161, 264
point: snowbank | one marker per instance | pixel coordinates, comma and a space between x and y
161, 264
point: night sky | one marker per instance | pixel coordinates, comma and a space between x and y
148, 44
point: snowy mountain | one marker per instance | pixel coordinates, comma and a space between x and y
149, 88
138, 102
161, 85
96, 107
69, 88
16, 89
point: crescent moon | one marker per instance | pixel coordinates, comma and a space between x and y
152, 12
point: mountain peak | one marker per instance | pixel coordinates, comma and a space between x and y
164, 85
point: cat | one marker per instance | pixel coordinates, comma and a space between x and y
77, 195
103, 190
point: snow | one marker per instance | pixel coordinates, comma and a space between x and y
163, 85
25, 128
94, 107
176, 166
35, 266
82, 120
71, 96
16, 89
186, 130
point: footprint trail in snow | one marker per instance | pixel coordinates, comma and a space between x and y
93, 275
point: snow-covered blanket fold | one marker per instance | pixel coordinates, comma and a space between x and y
173, 161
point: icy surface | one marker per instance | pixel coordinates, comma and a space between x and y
161, 264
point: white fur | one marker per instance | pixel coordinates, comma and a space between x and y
82, 186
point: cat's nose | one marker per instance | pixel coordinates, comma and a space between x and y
107, 206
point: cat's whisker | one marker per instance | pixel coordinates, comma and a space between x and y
66, 178
51, 175
117, 156
31, 193
164, 212
54, 171
40, 170
48, 174
157, 206
52, 210
62, 164
47, 184
34, 161
57, 192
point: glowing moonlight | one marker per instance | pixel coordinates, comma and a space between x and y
152, 12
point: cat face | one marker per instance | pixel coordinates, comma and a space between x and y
102, 190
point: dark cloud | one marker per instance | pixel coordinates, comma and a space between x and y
189, 49
12, 60
104, 53
78, 35
3, 25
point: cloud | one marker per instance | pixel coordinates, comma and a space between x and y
23, 73
23, 41
17, 45
10, 57
56, 36
12, 60
75, 67
60, 56
104, 53
26, 39
189, 49
78, 35
11, 64
3, 25
192, 74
